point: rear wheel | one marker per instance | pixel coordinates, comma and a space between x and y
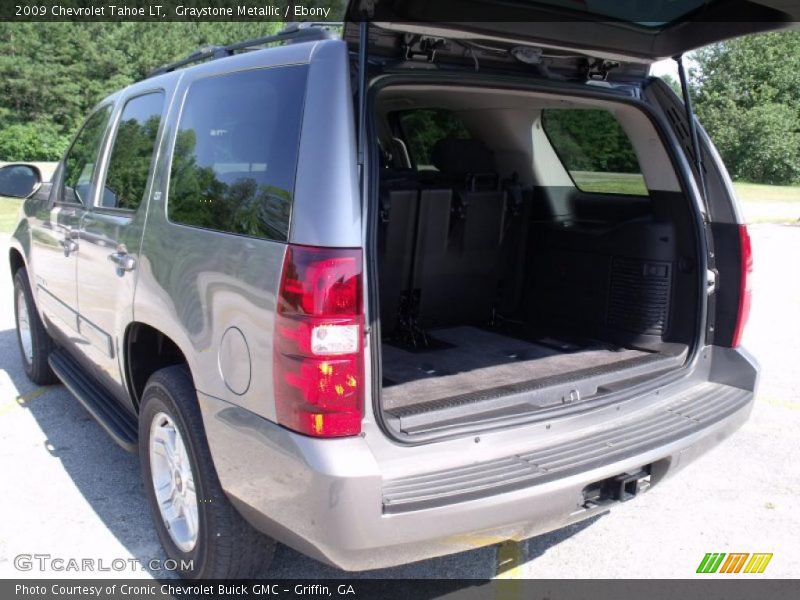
34, 342
198, 526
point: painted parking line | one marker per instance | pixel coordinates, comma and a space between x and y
781, 402
510, 556
23, 399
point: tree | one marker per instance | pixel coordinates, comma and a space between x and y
745, 93
32, 141
424, 128
590, 140
51, 74
673, 83
768, 145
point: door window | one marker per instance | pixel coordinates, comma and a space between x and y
81, 160
132, 154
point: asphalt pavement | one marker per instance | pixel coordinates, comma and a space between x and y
69, 492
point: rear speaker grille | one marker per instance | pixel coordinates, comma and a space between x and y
639, 296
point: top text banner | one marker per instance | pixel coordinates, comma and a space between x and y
169, 10
637, 18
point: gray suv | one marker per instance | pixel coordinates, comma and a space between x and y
387, 301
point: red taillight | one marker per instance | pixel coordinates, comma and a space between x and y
745, 294
318, 366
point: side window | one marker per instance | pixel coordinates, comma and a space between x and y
235, 155
595, 150
132, 152
423, 128
81, 160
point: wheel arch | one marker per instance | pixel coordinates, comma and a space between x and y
147, 350
16, 260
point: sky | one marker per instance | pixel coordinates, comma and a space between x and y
664, 66
669, 66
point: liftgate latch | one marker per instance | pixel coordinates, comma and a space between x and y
422, 47
597, 69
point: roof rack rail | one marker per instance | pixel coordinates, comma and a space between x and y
305, 31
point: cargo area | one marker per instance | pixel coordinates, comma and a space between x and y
467, 360
511, 282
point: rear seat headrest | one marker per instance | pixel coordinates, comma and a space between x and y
461, 157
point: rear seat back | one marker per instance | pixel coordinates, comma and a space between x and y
399, 202
461, 221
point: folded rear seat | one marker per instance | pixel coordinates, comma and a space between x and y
399, 200
461, 213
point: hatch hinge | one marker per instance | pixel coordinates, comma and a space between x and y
422, 47
597, 69
366, 8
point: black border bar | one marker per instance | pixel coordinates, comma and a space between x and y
735, 588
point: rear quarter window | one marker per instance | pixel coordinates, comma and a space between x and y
595, 150
235, 153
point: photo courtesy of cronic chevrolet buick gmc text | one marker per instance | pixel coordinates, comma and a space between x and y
367, 296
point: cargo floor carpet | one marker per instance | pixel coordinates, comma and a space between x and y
469, 359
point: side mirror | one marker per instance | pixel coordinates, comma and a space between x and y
19, 181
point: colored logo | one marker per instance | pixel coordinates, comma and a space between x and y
736, 562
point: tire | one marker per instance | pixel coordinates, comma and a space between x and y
35, 344
225, 545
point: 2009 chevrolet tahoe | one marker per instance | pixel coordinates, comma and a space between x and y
366, 301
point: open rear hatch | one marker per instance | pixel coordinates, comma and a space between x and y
640, 32
495, 304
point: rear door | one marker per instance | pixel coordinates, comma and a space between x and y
624, 31
724, 233
55, 239
111, 234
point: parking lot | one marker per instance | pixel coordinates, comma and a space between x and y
69, 491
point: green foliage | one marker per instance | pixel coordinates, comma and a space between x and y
745, 93
768, 145
630, 184
130, 161
423, 128
52, 74
590, 140
35, 140
673, 83
199, 198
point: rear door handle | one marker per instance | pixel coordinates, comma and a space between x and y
69, 246
123, 261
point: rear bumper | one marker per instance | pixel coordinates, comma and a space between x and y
344, 502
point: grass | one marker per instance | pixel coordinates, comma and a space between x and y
610, 183
772, 220
757, 192
630, 183
9, 213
